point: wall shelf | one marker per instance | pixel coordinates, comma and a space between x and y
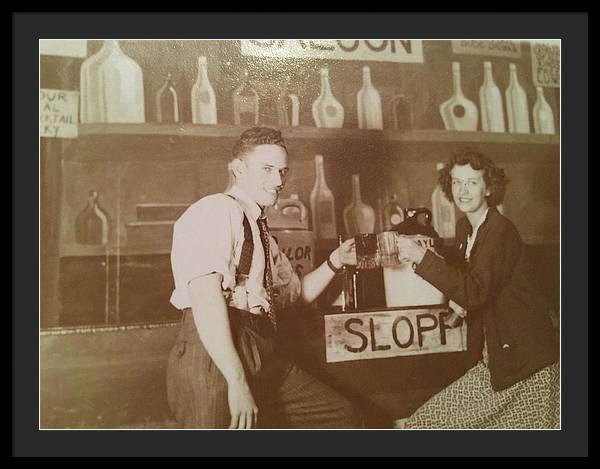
186, 142
304, 132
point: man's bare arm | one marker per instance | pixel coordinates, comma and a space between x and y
212, 322
316, 281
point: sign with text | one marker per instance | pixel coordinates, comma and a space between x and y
381, 50
488, 47
391, 333
58, 113
64, 47
545, 63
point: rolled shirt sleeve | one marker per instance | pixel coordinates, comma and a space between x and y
204, 243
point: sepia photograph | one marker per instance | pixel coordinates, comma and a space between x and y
300, 234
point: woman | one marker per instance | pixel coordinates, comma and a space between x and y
515, 384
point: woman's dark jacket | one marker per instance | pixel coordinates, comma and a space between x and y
496, 286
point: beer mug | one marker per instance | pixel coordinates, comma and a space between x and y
388, 249
367, 256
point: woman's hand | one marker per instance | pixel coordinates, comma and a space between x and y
345, 254
409, 250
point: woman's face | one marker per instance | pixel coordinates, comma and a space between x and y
469, 189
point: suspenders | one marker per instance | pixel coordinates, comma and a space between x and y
247, 247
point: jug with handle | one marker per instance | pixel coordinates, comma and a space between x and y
288, 224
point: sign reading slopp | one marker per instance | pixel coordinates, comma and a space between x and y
382, 334
393, 50
58, 113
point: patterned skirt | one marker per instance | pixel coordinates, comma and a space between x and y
471, 403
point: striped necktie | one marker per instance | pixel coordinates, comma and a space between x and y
268, 276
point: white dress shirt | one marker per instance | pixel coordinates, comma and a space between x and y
208, 238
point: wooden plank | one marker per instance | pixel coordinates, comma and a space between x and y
391, 333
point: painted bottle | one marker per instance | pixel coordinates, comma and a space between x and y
517, 109
458, 112
326, 110
543, 117
91, 224
91, 102
167, 102
245, 102
322, 204
204, 101
393, 214
359, 217
122, 86
288, 106
490, 102
368, 104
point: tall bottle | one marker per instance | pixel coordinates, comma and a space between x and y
444, 213
326, 110
122, 86
288, 106
91, 224
543, 117
393, 214
359, 217
204, 101
402, 113
490, 102
245, 102
322, 204
167, 102
458, 112
368, 104
517, 109
91, 97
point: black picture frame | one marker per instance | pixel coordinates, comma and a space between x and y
28, 440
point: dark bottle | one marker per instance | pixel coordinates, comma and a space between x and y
91, 225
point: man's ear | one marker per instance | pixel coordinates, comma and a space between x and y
237, 167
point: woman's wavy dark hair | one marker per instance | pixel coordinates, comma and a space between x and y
257, 136
494, 177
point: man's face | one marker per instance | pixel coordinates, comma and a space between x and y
263, 172
469, 189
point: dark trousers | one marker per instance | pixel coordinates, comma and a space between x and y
286, 396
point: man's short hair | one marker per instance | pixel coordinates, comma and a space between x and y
255, 136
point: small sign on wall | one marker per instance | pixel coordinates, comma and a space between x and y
391, 333
64, 47
58, 113
393, 50
488, 47
545, 63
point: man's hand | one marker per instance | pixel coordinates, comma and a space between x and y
345, 254
243, 409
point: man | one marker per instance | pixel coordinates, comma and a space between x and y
230, 279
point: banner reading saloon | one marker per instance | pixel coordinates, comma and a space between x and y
396, 50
